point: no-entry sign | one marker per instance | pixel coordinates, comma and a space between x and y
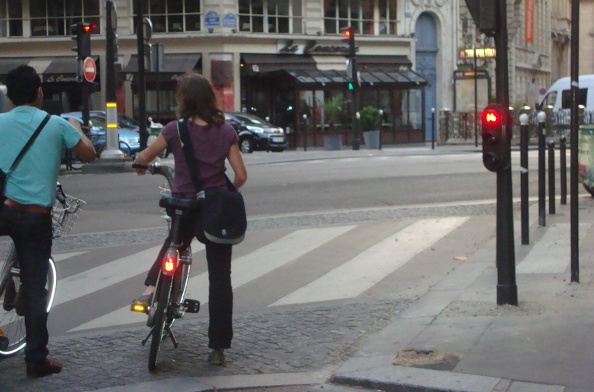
89, 69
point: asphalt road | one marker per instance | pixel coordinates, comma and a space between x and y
126, 201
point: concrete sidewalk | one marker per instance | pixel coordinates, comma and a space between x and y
455, 338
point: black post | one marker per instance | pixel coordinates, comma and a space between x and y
85, 109
433, 128
110, 83
524, 178
304, 131
575, 42
541, 170
507, 290
551, 177
475, 97
141, 76
356, 143
563, 169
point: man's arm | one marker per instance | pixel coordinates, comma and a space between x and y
84, 148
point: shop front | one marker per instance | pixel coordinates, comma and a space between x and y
294, 91
61, 90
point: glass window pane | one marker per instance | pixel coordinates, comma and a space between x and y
192, 22
258, 22
297, 25
176, 23
158, 24
55, 9
16, 28
14, 9
73, 7
244, 6
392, 9
383, 9
283, 7
368, 9
244, 23
38, 27
330, 25
343, 9
37, 9
175, 7
283, 25
192, 5
91, 7
271, 7
156, 7
258, 7
297, 8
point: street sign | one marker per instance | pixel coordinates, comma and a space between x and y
89, 69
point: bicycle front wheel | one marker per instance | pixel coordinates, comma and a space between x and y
12, 320
160, 319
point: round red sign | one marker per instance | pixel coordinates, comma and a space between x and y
89, 69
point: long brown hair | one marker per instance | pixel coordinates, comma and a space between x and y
195, 96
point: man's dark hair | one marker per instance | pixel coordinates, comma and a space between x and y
22, 84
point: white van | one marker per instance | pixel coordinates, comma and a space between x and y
558, 96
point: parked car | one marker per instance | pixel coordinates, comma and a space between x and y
256, 134
129, 137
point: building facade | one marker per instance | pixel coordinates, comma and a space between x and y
284, 58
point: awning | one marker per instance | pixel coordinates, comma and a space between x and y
275, 62
404, 78
174, 64
51, 70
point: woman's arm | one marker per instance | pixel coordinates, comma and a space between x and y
145, 157
236, 161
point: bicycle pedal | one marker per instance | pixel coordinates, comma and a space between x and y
192, 305
140, 308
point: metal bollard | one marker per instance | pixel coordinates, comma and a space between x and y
541, 169
524, 178
551, 177
304, 131
563, 169
433, 128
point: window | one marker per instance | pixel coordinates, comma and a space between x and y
11, 19
270, 16
54, 17
582, 98
369, 17
171, 16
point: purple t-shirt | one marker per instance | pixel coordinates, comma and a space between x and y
211, 146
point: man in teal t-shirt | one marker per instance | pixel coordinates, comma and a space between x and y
25, 209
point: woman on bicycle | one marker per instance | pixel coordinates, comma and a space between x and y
213, 141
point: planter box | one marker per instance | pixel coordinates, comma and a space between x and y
332, 142
372, 139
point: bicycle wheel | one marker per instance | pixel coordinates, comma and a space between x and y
12, 320
160, 320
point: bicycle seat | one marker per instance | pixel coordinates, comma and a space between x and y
178, 203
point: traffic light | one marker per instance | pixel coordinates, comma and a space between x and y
484, 14
348, 36
496, 138
82, 36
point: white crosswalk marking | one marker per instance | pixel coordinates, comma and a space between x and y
551, 255
105, 275
64, 256
244, 269
368, 268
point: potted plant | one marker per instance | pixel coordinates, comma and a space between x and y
370, 123
332, 108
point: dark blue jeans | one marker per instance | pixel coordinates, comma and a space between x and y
32, 236
220, 291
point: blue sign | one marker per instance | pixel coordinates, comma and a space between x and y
212, 19
229, 20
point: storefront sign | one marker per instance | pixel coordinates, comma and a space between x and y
310, 47
229, 20
481, 53
212, 19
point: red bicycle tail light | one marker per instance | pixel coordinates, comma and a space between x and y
170, 261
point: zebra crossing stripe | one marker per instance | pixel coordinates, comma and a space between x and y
365, 270
244, 269
105, 275
64, 256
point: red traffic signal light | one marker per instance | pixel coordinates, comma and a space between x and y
496, 138
88, 27
348, 35
82, 36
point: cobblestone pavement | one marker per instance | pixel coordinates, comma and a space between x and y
266, 342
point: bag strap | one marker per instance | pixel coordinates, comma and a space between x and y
31, 140
186, 142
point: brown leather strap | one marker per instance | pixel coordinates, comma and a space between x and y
15, 205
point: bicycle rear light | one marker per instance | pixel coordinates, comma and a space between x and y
170, 262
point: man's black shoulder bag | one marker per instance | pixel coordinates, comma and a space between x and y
222, 211
3, 174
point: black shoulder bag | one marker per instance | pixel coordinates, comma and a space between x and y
222, 211
4, 175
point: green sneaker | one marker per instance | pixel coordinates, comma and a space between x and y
216, 357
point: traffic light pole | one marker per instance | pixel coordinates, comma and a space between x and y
356, 143
507, 290
143, 133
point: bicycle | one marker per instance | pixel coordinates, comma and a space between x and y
12, 321
168, 302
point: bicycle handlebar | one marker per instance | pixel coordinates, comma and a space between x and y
157, 168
